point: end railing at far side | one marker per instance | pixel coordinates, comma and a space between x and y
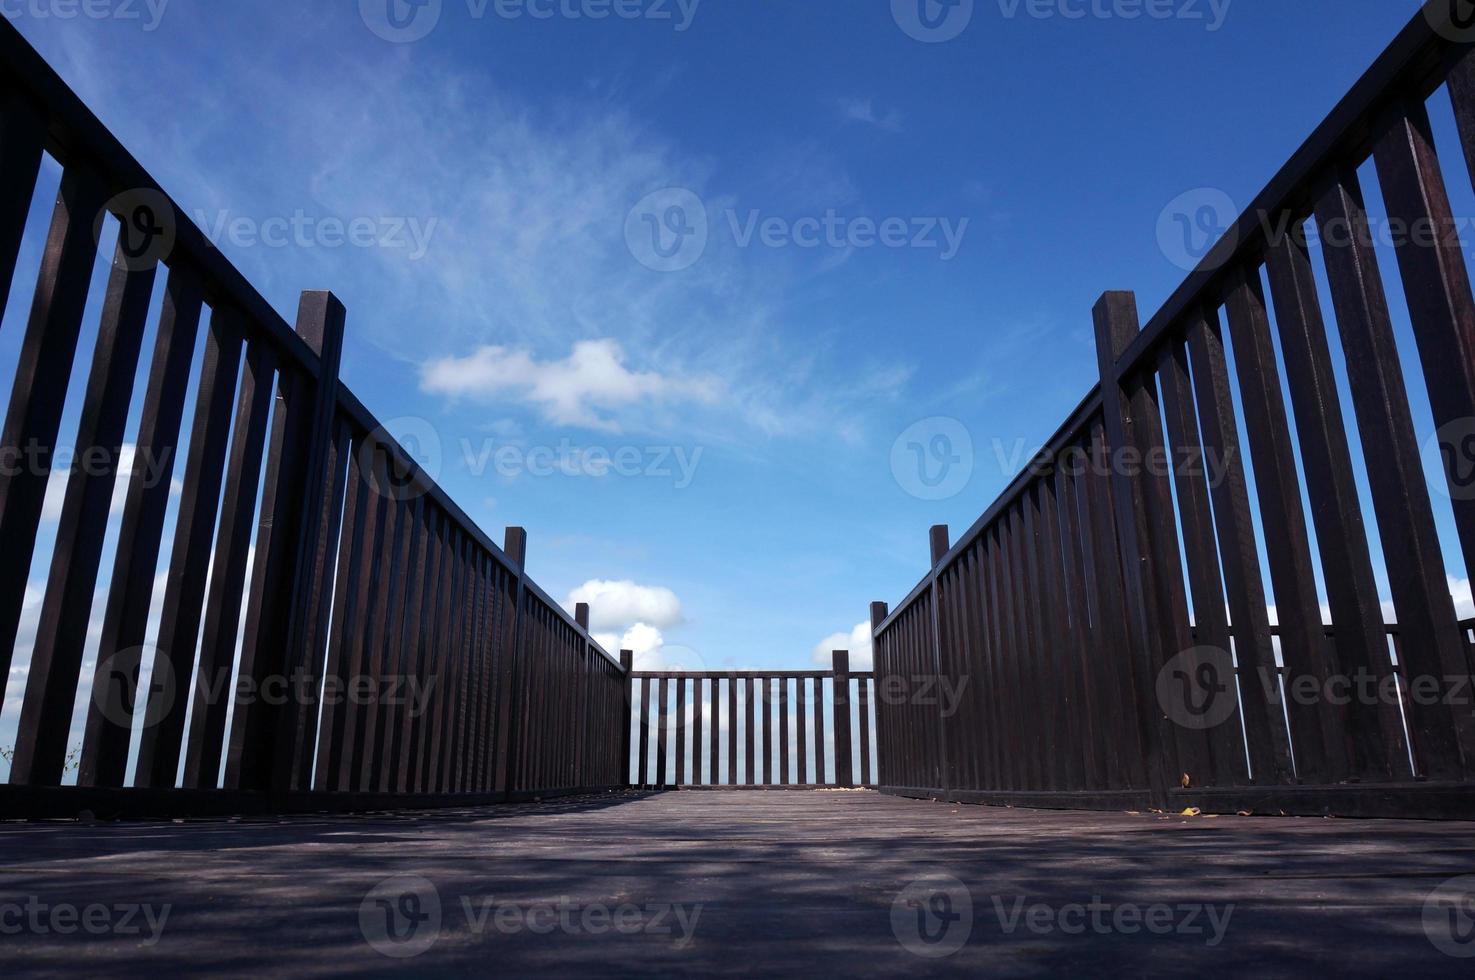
804, 729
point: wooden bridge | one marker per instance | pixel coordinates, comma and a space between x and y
1100, 639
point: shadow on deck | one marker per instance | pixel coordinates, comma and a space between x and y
734, 884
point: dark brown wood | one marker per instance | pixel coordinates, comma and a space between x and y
36, 398
1373, 734
1288, 547
336, 667
66, 609
1442, 739
750, 690
130, 594
844, 758
214, 690
821, 754
1436, 286
697, 730
645, 720
681, 774
194, 536
801, 692
22, 132
785, 766
663, 694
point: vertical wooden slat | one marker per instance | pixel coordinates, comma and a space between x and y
1288, 548
821, 762
1201, 551
1373, 734
844, 765
749, 693
732, 731
1153, 585
1126, 755
214, 689
38, 394
801, 691
1079, 626
22, 132
426, 665
1436, 283
130, 593
662, 721
356, 509
390, 756
785, 765
1442, 740
645, 722
681, 775
61, 630
714, 735
698, 708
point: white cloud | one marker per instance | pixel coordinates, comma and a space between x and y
646, 642
621, 605
56, 482
1459, 588
857, 641
583, 389
864, 111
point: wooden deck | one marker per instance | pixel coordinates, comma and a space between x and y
788, 883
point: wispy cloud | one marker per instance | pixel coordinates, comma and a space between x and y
584, 389
864, 111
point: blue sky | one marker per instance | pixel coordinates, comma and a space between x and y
896, 231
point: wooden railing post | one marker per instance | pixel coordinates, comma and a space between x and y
879, 612
844, 768
515, 546
941, 545
1131, 413
586, 667
295, 541
627, 664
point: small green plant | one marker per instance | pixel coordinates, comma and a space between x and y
74, 757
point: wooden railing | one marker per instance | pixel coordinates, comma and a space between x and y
752, 729
1096, 576
368, 585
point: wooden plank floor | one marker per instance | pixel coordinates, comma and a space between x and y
781, 883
